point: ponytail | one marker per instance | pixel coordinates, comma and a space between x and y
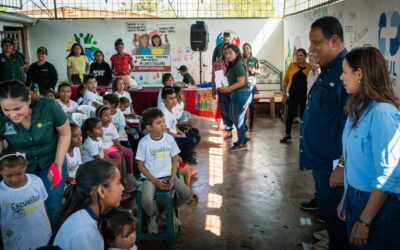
80, 195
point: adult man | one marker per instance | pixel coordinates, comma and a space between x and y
187, 78
10, 64
323, 122
217, 51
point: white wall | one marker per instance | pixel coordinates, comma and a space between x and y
360, 21
57, 35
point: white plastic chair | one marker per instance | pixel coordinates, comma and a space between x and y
87, 110
78, 118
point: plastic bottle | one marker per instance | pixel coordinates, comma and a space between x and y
36, 89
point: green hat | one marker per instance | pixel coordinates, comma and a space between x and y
41, 50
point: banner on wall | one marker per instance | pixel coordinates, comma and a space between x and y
152, 63
135, 27
166, 29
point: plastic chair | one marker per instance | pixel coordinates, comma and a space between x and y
87, 110
169, 235
78, 118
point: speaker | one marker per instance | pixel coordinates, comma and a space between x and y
199, 36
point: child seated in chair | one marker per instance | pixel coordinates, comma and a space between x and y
158, 156
64, 92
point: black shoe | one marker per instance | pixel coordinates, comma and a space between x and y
319, 218
309, 205
238, 147
285, 139
191, 161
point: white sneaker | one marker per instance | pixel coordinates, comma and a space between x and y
152, 225
320, 235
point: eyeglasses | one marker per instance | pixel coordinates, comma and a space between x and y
15, 154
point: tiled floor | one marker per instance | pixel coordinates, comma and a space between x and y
248, 199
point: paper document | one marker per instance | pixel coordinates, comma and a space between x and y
220, 79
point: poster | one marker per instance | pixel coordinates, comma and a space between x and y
152, 63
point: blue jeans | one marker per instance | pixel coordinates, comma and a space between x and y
188, 145
240, 101
56, 195
384, 230
328, 199
251, 106
224, 100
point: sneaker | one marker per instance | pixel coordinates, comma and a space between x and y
321, 235
285, 139
191, 161
238, 147
177, 223
318, 216
309, 205
152, 225
321, 245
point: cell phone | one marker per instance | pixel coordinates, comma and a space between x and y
57, 177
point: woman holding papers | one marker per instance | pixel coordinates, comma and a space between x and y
371, 149
239, 86
219, 80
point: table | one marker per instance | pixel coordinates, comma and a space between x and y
198, 101
268, 96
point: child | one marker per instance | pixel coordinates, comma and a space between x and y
77, 64
50, 93
80, 93
187, 141
118, 230
181, 115
100, 69
111, 144
118, 118
64, 91
122, 63
97, 189
119, 90
92, 148
167, 80
74, 158
90, 95
125, 107
158, 162
23, 218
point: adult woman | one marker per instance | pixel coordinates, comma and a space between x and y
11, 65
241, 93
101, 69
371, 148
42, 72
122, 63
39, 128
224, 99
253, 68
295, 84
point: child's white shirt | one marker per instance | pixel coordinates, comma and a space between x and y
119, 122
79, 231
127, 95
74, 162
157, 155
110, 133
114, 248
170, 119
90, 148
23, 217
179, 109
89, 97
72, 107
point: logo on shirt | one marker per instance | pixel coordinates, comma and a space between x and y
10, 130
160, 153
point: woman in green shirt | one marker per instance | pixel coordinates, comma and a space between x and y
253, 68
239, 86
39, 128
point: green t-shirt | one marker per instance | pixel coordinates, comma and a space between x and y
239, 70
39, 142
9, 67
253, 63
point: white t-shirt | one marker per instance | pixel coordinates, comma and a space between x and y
157, 155
89, 97
179, 109
127, 95
23, 218
74, 162
119, 122
72, 106
170, 119
90, 148
132, 248
80, 101
161, 105
110, 133
79, 231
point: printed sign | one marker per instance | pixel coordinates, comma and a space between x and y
152, 63
166, 29
135, 27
